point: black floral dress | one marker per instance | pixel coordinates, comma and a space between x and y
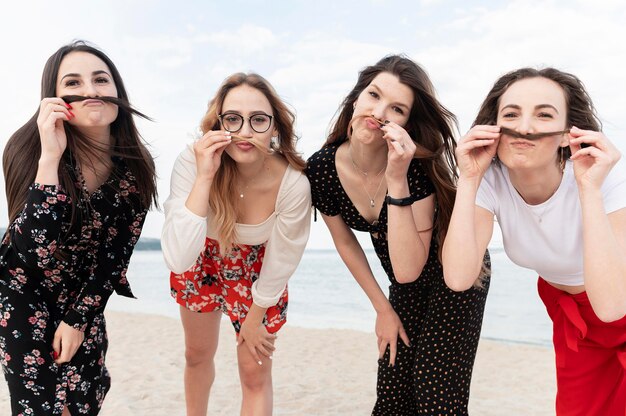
50, 273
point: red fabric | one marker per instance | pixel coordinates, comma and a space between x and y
225, 282
590, 356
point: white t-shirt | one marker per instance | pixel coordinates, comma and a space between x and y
547, 237
286, 231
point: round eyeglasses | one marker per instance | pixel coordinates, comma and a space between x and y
233, 122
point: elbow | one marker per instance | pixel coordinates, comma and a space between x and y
608, 314
407, 276
456, 283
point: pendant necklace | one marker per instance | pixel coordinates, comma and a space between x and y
365, 175
245, 188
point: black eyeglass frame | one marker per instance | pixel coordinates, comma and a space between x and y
243, 120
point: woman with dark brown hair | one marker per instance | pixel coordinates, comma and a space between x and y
236, 224
387, 168
536, 159
79, 182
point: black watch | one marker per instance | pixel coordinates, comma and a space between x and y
402, 202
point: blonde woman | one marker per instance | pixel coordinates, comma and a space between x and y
236, 223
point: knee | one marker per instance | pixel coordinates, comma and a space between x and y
254, 377
198, 356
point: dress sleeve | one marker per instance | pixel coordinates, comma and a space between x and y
323, 176
113, 256
184, 232
286, 243
36, 231
420, 184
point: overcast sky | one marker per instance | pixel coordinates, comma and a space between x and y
174, 54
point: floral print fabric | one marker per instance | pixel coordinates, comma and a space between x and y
52, 272
224, 282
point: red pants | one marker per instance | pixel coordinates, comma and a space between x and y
590, 356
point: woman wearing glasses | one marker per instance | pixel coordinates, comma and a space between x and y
236, 224
537, 160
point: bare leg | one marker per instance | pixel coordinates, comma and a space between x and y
66, 412
202, 332
256, 383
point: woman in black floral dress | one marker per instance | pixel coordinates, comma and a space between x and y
79, 182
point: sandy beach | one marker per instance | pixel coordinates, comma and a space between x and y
316, 372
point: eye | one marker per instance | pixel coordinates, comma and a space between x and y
101, 80
374, 94
398, 110
231, 118
71, 83
260, 118
545, 115
509, 115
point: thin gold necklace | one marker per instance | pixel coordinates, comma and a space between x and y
245, 188
365, 175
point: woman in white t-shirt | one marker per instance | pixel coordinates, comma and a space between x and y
236, 223
537, 160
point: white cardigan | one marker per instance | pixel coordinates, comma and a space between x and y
285, 231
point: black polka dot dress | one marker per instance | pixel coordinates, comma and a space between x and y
432, 376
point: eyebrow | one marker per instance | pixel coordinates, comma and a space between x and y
251, 113
94, 73
537, 107
395, 102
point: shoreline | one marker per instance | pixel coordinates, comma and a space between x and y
336, 372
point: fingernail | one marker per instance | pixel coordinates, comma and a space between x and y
72, 114
271, 357
386, 121
68, 105
55, 355
259, 362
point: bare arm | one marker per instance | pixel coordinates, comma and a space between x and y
604, 236
469, 233
604, 258
354, 258
409, 231
470, 227
388, 324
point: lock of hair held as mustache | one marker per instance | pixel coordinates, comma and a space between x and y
121, 103
531, 136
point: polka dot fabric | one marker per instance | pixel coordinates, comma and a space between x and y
432, 376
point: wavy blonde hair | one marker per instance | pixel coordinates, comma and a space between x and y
222, 198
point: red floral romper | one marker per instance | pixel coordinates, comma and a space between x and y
225, 282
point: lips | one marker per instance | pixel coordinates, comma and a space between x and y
371, 124
244, 145
522, 144
92, 102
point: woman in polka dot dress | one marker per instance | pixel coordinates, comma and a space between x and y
236, 224
392, 134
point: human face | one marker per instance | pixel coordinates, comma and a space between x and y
385, 98
532, 105
246, 102
82, 73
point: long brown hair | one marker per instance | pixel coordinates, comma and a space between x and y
22, 152
430, 125
221, 198
580, 110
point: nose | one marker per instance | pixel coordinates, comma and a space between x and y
246, 128
90, 90
525, 126
379, 111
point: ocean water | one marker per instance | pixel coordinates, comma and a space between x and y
323, 294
